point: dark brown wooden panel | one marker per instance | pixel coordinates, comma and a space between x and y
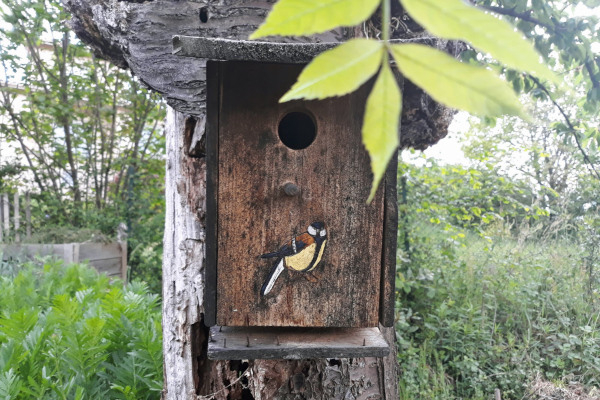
255, 216
240, 343
390, 244
212, 175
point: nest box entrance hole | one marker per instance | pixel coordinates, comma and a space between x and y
297, 130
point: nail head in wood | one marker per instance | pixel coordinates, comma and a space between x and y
247, 341
291, 189
364, 341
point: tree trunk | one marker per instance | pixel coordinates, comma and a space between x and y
138, 35
188, 373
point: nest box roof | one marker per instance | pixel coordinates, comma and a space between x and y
246, 50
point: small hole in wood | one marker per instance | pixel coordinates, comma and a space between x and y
297, 130
204, 15
333, 362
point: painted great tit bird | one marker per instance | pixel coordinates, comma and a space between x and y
303, 253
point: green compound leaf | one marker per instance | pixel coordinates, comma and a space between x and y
380, 125
455, 19
305, 17
338, 71
456, 84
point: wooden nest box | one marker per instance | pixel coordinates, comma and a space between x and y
298, 264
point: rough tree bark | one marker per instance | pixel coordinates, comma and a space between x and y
137, 35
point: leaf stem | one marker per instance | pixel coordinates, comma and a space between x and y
386, 15
571, 127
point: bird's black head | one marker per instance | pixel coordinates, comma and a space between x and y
317, 229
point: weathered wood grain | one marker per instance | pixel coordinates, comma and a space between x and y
183, 261
95, 251
240, 343
212, 180
138, 35
390, 243
256, 217
252, 50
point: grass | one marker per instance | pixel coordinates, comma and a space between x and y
494, 314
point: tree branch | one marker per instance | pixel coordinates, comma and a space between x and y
510, 12
590, 69
589, 162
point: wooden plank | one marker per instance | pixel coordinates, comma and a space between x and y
93, 251
212, 176
241, 343
76, 247
16, 218
109, 263
214, 48
6, 216
390, 243
68, 253
256, 217
28, 214
109, 266
123, 246
31, 250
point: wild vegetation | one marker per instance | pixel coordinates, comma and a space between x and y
498, 281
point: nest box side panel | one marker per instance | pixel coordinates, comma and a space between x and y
255, 215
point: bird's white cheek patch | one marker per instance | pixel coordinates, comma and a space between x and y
312, 231
323, 233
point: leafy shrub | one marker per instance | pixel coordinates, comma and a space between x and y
67, 332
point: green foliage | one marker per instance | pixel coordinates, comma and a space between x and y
68, 333
458, 20
302, 17
87, 137
338, 71
447, 80
493, 289
457, 199
76, 123
462, 85
381, 119
492, 316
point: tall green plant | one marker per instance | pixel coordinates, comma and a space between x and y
68, 333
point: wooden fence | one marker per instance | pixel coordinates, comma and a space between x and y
108, 258
11, 232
